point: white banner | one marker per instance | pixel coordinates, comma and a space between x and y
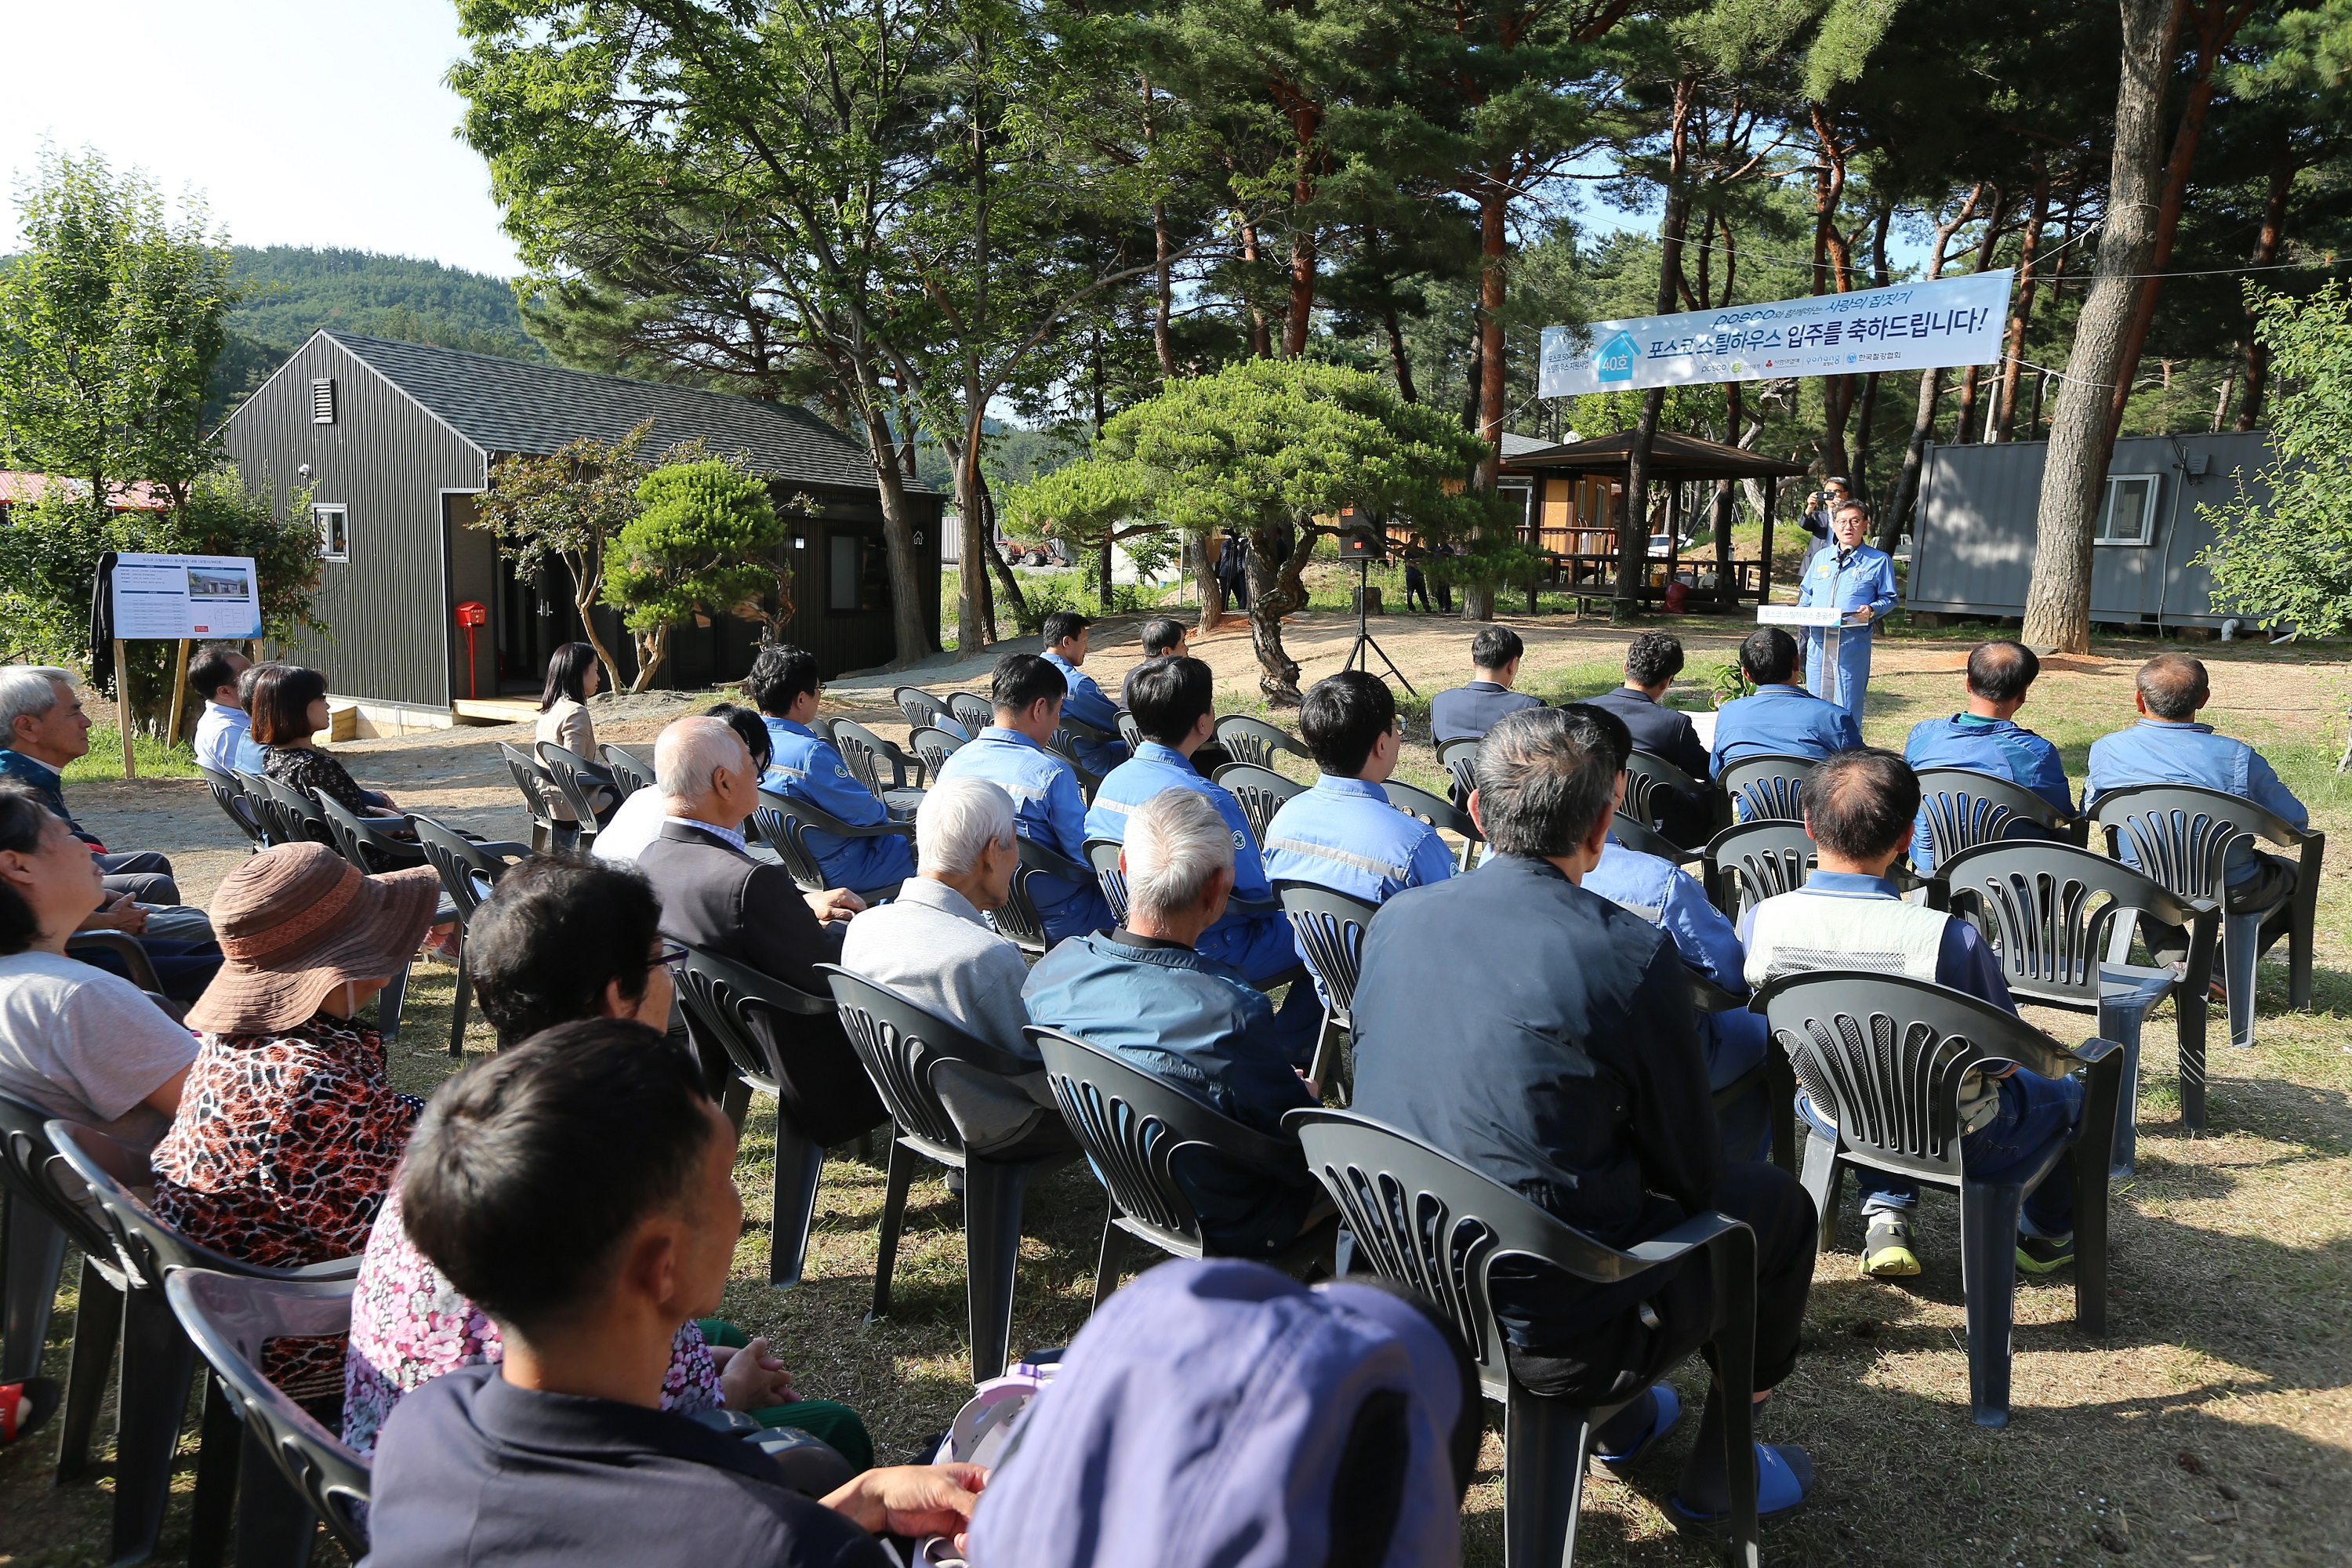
173, 596
1911, 326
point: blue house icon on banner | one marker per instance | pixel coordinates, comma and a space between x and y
1615, 360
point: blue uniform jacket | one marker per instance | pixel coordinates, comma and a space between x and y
2001, 747
1787, 721
805, 766
1197, 1024
43, 780
1468, 711
1345, 836
1849, 580
1086, 704
1047, 809
1259, 946
2159, 751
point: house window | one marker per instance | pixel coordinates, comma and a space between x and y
2128, 514
857, 574
334, 532
322, 401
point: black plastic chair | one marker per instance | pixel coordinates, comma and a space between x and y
235, 804
1329, 927
1883, 1058
1248, 739
629, 774
1428, 1221
539, 789
1020, 919
1460, 759
1963, 808
367, 842
1103, 854
158, 1358
1651, 781
292, 1474
881, 765
268, 815
783, 823
578, 781
2052, 910
973, 713
902, 1045
1443, 815
1129, 731
719, 996
293, 815
935, 743
469, 868
2181, 836
1259, 791
1770, 788
1755, 862
1134, 1127
924, 710
1645, 839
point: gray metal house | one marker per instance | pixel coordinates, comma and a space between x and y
397, 438
1972, 545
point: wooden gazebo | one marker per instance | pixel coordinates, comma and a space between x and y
1576, 496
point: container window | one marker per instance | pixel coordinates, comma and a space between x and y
2129, 516
334, 531
857, 573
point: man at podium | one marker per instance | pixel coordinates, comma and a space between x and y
1858, 579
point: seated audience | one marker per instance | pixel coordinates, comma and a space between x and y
806, 767
581, 1194
1779, 718
1175, 710
574, 674
1365, 1448
1164, 637
1652, 659
2168, 746
559, 942
225, 734
1343, 834
1859, 807
1579, 1083
1672, 899
1147, 992
1066, 636
1988, 738
716, 897
932, 945
1468, 710
1048, 808
76, 1042
638, 822
289, 708
46, 728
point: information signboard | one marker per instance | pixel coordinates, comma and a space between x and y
173, 596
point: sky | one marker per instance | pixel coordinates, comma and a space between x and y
314, 122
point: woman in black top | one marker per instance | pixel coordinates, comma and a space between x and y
290, 706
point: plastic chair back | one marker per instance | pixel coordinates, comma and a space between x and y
973, 713
1460, 759
33, 1173
778, 821
924, 710
234, 801
1770, 788
721, 996
629, 775
535, 784
1248, 739
1442, 814
935, 744
1103, 854
468, 869
1330, 928
572, 775
1963, 808
1647, 840
872, 761
1129, 731
231, 1320
1651, 780
1259, 791
900, 1042
1755, 862
2052, 909
1019, 918
268, 815
363, 843
292, 815
2181, 836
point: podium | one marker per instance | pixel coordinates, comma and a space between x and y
1825, 617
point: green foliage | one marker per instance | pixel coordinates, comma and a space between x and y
1045, 593
2288, 560
290, 292
703, 544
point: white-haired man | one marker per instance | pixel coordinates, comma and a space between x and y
1144, 992
43, 726
931, 945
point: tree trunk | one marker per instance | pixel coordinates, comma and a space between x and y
1833, 273
1275, 591
1307, 123
1398, 359
975, 627
1205, 580
1999, 216
587, 569
998, 567
1931, 382
1726, 593
1633, 518
653, 649
1261, 340
2266, 250
1494, 243
1163, 270
2005, 414
2075, 477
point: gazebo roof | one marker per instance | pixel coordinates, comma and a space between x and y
1672, 457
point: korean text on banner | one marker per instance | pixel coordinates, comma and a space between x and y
175, 597
1912, 326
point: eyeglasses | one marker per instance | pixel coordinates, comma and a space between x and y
671, 953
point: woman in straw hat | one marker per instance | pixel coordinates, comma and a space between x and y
288, 1128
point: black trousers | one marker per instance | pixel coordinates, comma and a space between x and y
1605, 1365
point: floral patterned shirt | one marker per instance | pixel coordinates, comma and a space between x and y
409, 1325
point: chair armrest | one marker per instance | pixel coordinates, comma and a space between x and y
504, 848
1688, 1236
125, 948
2095, 1050
334, 1269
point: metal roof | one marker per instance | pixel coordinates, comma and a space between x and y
515, 406
1672, 456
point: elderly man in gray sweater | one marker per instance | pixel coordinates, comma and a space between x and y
931, 945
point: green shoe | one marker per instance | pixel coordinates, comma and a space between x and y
1886, 1251
2039, 1254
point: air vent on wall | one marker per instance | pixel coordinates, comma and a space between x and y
322, 401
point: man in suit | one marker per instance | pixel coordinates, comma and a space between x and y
717, 898
1467, 712
1985, 736
1652, 662
1779, 718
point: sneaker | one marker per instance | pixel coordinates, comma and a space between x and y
1886, 1251
2041, 1254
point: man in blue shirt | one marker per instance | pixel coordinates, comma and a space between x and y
1343, 834
1988, 738
1779, 718
1147, 992
1859, 808
805, 766
1067, 635
225, 734
2168, 746
1047, 807
1858, 579
1164, 637
1468, 711
1651, 661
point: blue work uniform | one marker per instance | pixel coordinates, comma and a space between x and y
1850, 580
2163, 752
1047, 809
804, 767
1086, 704
1468, 711
1671, 899
2001, 747
1781, 720
1345, 836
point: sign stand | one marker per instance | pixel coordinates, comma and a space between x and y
1823, 616
122, 706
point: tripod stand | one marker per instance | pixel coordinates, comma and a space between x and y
1359, 655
